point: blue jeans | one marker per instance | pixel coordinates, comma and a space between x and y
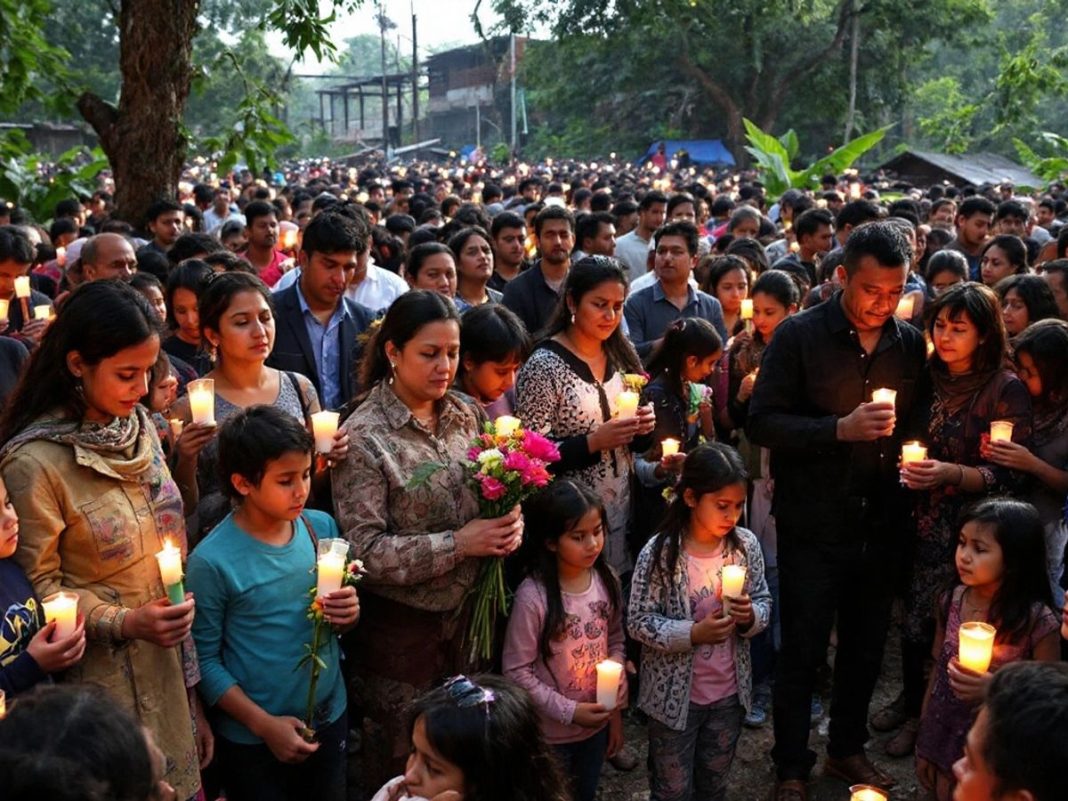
692, 764
251, 772
582, 763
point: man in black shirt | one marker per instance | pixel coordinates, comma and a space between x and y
834, 454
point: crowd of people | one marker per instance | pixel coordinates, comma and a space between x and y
775, 419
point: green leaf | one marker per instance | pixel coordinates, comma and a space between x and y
421, 475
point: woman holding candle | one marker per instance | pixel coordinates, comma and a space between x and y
696, 681
970, 388
493, 346
1000, 562
567, 618
570, 388
474, 268
84, 467
402, 498
236, 317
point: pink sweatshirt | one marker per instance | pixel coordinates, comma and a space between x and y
593, 632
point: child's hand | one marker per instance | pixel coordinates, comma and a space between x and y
192, 440
742, 611
281, 734
615, 733
966, 684
745, 389
590, 716
160, 622
341, 608
712, 630
52, 657
672, 465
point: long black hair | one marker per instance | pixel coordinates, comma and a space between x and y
98, 320
548, 516
708, 468
690, 336
406, 315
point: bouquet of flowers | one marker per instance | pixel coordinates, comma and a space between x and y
699, 393
506, 464
320, 631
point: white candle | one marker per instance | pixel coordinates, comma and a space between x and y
626, 403
170, 570
289, 239
913, 452
176, 426
609, 673
747, 308
331, 570
42, 312
884, 396
22, 286
905, 307
61, 256
1001, 431
976, 645
669, 447
3, 309
3, 705
62, 608
733, 579
506, 425
866, 792
202, 401
324, 427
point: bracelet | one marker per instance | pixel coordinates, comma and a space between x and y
960, 483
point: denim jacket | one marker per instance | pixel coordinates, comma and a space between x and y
660, 618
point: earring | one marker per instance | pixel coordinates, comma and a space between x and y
572, 318
392, 372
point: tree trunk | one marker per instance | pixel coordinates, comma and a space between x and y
143, 137
854, 53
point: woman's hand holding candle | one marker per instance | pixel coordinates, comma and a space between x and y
160, 622
614, 433
966, 684
646, 419
54, 656
929, 474
1012, 455
340, 448
192, 440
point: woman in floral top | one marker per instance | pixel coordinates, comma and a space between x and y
568, 388
401, 498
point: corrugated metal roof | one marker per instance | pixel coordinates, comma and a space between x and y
974, 168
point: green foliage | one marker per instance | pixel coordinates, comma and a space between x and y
1049, 168
945, 114
23, 181
773, 158
26, 56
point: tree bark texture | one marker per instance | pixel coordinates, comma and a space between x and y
143, 137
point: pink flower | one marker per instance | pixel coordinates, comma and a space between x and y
535, 475
492, 489
473, 452
538, 447
516, 461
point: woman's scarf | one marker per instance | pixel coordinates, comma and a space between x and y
958, 391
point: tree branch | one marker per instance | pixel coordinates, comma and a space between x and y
100, 114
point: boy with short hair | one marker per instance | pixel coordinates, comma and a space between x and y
251, 577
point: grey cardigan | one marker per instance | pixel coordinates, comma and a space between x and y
660, 618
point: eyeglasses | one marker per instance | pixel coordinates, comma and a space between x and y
465, 693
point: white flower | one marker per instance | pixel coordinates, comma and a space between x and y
490, 457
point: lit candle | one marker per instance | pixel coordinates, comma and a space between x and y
905, 307
866, 792
176, 426
22, 286
3, 705
61, 256
733, 579
506, 425
3, 309
324, 427
331, 566
202, 401
913, 452
42, 312
289, 239
747, 308
608, 675
669, 447
976, 645
627, 403
170, 570
62, 608
884, 396
1001, 431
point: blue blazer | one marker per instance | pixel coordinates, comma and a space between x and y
292, 347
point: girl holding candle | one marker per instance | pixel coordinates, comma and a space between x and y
236, 317
970, 387
493, 346
1000, 563
252, 576
403, 499
569, 388
695, 674
474, 268
728, 281
86, 473
568, 617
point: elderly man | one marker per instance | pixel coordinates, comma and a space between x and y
107, 256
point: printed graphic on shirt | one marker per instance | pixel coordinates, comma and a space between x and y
16, 630
585, 640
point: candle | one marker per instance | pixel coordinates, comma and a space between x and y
324, 427
202, 401
884, 396
61, 256
1001, 431
3, 309
506, 425
905, 307
913, 452
42, 312
331, 566
22, 286
170, 570
62, 608
289, 239
626, 403
176, 426
866, 792
3, 704
747, 308
976, 645
669, 447
608, 675
733, 579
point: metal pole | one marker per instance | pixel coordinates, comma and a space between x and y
478, 126
385, 85
513, 97
415, 80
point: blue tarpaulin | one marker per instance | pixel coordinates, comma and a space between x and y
702, 151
